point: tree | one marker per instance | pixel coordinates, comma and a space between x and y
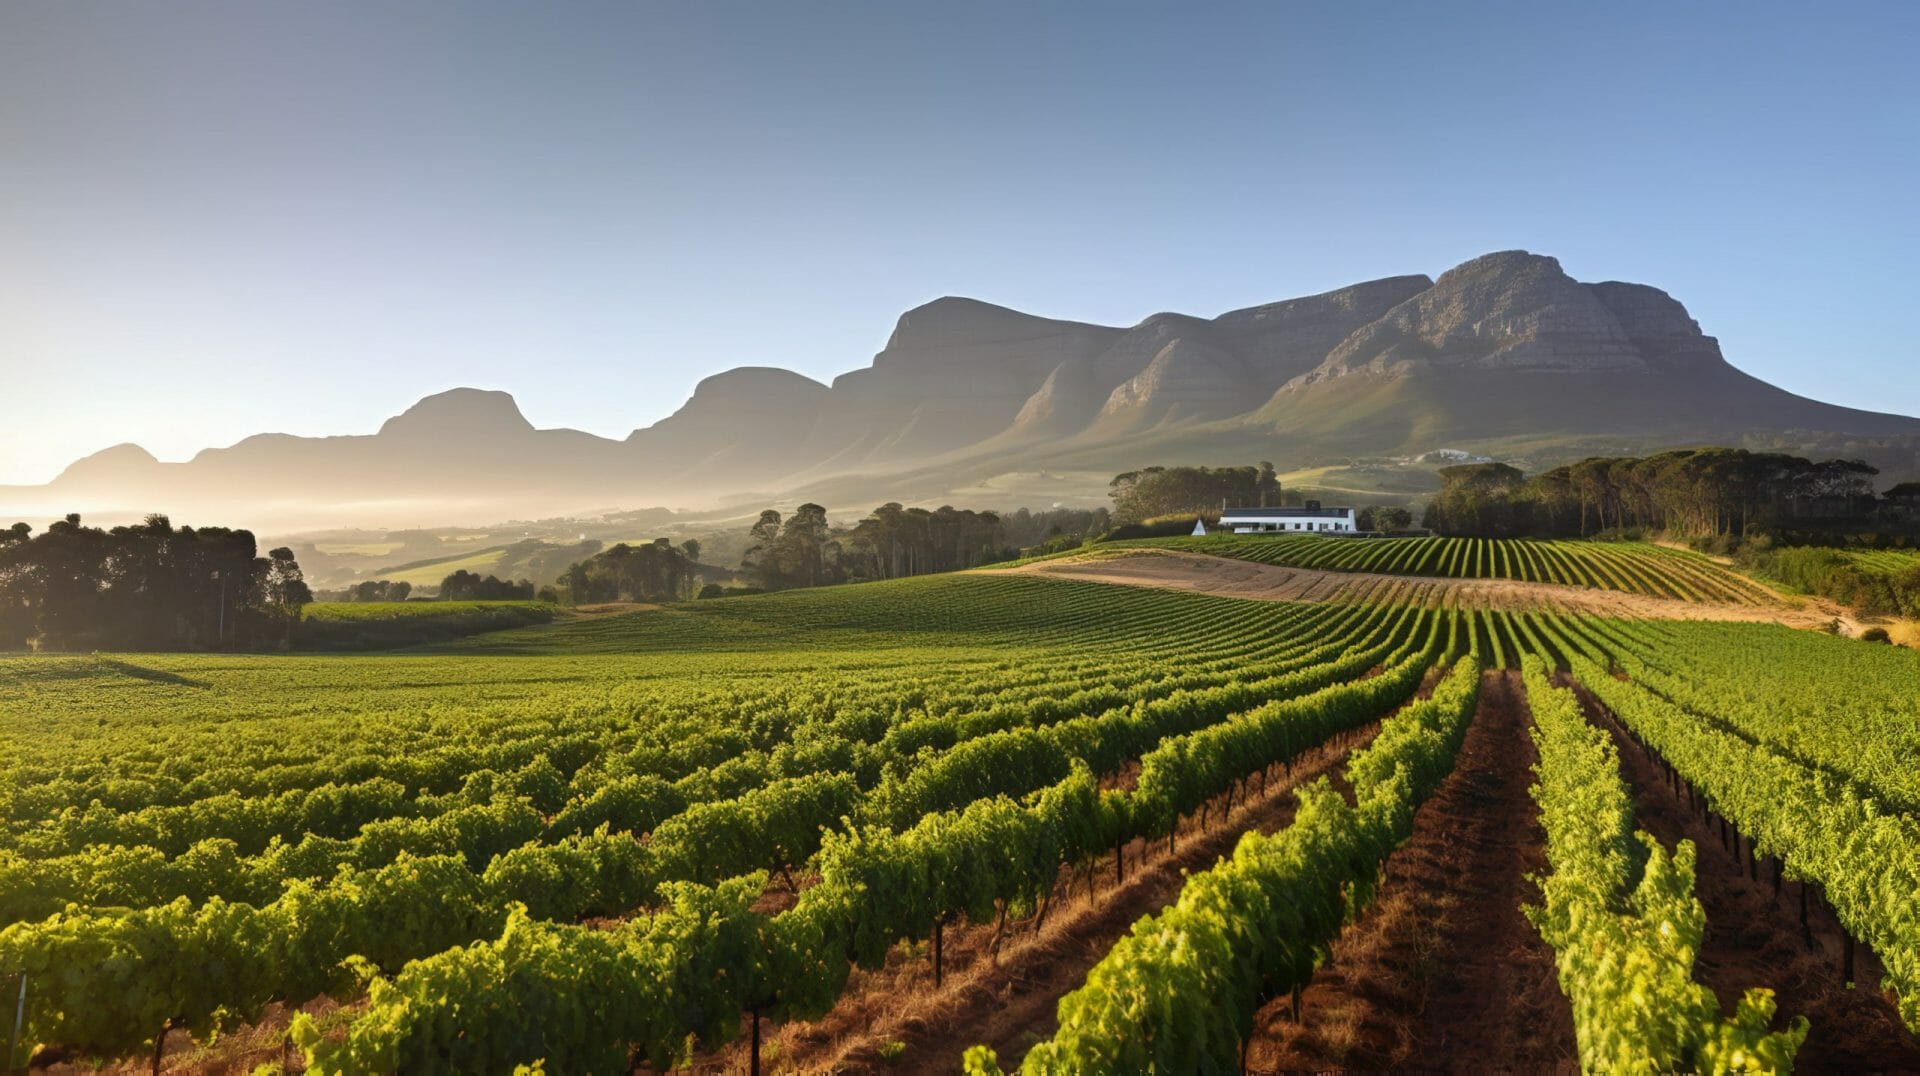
802, 546
892, 542
150, 585
1392, 518
655, 571
761, 561
464, 585
286, 587
1199, 491
286, 583
1481, 499
1266, 483
371, 590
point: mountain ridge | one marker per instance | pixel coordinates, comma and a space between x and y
1506, 349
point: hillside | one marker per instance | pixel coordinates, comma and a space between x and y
1506, 354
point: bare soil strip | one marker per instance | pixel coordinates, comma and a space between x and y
1226, 577
895, 1019
1443, 970
1754, 937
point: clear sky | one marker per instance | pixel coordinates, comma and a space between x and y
218, 219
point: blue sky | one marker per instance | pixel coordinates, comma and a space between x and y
221, 219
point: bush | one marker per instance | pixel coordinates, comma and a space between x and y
1876, 635
1718, 545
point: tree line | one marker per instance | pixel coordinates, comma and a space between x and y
653, 571
369, 590
466, 586
1052, 530
147, 586
1688, 493
1153, 492
459, 586
891, 542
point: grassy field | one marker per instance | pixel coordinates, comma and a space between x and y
358, 549
429, 573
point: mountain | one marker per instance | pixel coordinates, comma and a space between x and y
1505, 355
1509, 346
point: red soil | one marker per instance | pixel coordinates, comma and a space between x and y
1443, 970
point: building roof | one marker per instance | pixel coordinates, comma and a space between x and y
1284, 513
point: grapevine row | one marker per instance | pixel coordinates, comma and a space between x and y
494, 1004
1627, 567
705, 840
1178, 992
294, 946
1621, 916
1821, 828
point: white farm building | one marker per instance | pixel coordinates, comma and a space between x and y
1273, 520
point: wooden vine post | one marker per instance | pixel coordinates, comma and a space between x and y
753, 1015
937, 921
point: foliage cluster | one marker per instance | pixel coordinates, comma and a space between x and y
147, 586
1621, 916
368, 590
1685, 493
1190, 491
1877, 583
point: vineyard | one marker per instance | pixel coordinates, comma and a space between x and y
1629, 567
366, 625
723, 834
1889, 561
382, 611
1883, 582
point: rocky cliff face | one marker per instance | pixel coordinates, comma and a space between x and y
1504, 345
1286, 339
1507, 311
1658, 326
1186, 380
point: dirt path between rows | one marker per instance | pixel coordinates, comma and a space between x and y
895, 1019
1443, 971
1754, 938
1201, 573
